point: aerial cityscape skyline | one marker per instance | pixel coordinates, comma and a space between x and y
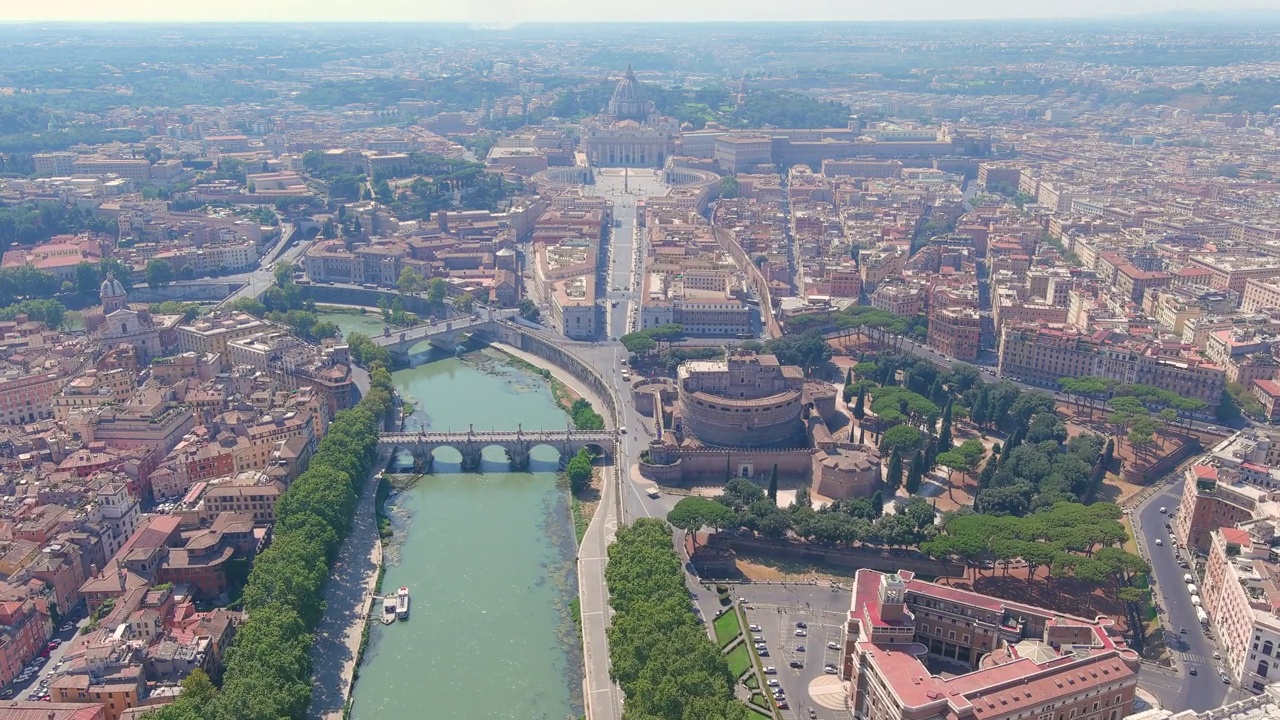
920, 369
508, 13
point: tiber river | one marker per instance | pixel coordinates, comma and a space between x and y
488, 558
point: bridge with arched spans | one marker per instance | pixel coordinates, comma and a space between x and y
517, 444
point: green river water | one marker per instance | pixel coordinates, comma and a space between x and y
488, 558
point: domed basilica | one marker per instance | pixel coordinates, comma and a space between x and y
630, 132
119, 324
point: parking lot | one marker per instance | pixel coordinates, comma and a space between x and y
775, 609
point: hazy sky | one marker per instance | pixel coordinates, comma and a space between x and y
515, 11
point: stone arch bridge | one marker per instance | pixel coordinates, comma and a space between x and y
517, 444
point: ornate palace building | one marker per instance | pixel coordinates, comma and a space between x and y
629, 133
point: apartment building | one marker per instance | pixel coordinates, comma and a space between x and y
901, 299
1233, 272
26, 630
882, 263
1241, 592
1040, 355
956, 332
146, 421
1209, 503
1009, 660
210, 334
94, 388
573, 307
259, 349
28, 396
1260, 295
249, 492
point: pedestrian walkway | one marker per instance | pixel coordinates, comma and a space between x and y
349, 597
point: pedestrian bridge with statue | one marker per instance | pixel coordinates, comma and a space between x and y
517, 444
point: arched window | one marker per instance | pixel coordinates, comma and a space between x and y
1266, 648
1262, 668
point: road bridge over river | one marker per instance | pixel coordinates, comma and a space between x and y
445, 333
517, 444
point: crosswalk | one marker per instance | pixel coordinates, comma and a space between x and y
1196, 658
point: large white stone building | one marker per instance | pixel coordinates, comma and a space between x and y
630, 132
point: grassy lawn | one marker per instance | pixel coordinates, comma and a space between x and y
758, 715
739, 660
580, 519
751, 682
727, 628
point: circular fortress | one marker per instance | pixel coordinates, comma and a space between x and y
747, 400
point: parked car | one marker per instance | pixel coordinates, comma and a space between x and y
770, 670
833, 645
799, 648
802, 633
753, 628
1192, 671
771, 682
802, 624
796, 664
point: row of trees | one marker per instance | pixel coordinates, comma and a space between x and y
866, 322
29, 223
745, 507
584, 416
1072, 540
50, 312
366, 352
660, 655
645, 342
578, 471
268, 665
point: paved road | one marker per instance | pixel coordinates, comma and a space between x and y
602, 697
625, 263
23, 690
1195, 649
256, 282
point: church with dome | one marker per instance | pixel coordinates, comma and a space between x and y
117, 323
629, 132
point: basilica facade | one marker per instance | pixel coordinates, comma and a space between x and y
629, 132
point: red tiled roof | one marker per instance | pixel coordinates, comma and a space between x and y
1236, 536
1269, 387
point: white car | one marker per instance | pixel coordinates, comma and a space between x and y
770, 670
771, 682
1163, 510
754, 628
801, 633
833, 645
1159, 541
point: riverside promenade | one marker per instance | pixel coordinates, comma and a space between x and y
349, 597
600, 695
